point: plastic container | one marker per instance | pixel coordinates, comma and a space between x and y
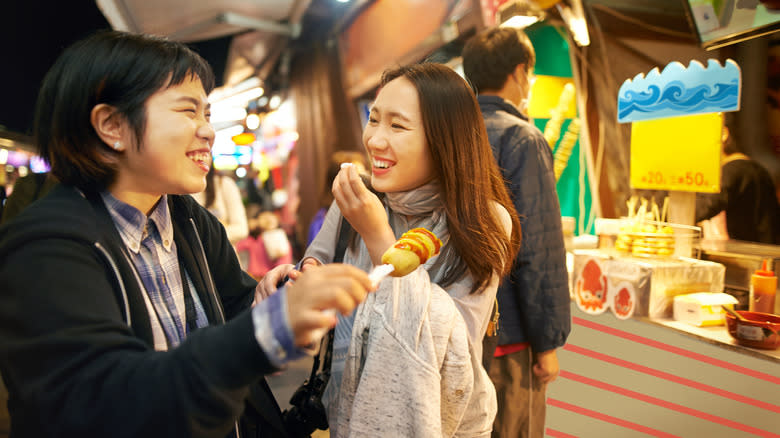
568, 224
759, 330
763, 284
607, 230
702, 309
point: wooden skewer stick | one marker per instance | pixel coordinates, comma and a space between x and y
734, 313
642, 212
665, 209
656, 214
631, 203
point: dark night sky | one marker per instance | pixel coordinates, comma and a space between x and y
32, 35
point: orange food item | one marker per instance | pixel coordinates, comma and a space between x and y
414, 248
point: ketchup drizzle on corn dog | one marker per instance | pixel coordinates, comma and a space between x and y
414, 245
411, 241
431, 236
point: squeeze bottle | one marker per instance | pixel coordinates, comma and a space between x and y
763, 284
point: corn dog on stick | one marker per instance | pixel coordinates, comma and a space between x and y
564, 150
552, 129
414, 248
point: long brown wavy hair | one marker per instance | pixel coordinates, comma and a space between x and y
468, 174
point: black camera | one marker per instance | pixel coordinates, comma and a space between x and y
307, 413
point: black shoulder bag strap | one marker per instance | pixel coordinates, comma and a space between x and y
326, 353
341, 245
308, 413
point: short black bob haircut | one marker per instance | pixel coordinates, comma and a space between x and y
119, 69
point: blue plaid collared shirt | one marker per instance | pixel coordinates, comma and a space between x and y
151, 245
153, 251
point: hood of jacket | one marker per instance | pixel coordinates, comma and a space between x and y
63, 213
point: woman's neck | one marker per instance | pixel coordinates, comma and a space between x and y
144, 202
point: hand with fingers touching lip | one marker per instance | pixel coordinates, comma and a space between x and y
364, 211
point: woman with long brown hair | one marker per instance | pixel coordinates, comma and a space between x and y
407, 363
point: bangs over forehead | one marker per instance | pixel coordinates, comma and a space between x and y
152, 63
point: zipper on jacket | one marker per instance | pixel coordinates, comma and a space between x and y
114, 267
211, 286
212, 289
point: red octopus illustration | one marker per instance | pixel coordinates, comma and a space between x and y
591, 287
623, 304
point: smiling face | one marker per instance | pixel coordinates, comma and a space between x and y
175, 152
395, 139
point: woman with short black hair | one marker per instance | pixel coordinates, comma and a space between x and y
124, 311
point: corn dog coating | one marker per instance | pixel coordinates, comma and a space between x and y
414, 248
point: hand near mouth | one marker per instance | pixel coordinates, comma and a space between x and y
364, 211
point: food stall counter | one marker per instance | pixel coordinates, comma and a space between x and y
717, 335
625, 373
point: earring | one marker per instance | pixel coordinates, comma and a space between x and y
117, 145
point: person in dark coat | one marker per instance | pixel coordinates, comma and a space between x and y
747, 195
123, 310
533, 300
27, 190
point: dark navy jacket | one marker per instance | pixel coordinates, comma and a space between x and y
76, 343
534, 299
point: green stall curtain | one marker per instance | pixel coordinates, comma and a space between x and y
573, 186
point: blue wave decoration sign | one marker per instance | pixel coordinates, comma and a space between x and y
680, 91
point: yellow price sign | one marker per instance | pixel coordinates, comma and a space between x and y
677, 153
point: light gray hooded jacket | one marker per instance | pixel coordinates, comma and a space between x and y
410, 356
